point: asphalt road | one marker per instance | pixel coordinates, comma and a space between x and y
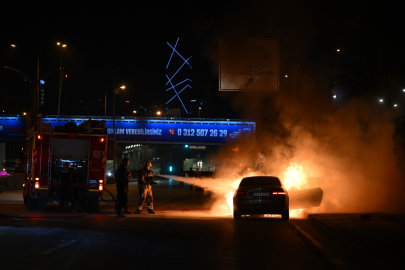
181, 235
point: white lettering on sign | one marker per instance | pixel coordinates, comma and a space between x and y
144, 131
137, 131
96, 154
202, 132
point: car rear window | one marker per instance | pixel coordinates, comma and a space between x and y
260, 181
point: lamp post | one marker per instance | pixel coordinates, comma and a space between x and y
334, 74
116, 92
34, 85
60, 71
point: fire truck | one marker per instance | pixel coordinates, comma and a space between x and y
47, 152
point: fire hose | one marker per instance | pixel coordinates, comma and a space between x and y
70, 216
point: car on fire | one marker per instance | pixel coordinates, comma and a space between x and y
261, 195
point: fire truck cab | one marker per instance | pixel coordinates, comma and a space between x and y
83, 146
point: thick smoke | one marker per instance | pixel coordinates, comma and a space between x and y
348, 148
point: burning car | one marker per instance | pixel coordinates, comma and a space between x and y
261, 195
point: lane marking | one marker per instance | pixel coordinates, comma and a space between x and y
316, 243
61, 245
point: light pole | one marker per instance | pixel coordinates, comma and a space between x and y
60, 71
116, 92
334, 74
34, 85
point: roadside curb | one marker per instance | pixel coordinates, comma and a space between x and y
334, 230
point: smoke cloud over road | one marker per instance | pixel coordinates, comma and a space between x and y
346, 148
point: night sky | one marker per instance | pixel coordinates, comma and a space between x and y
125, 43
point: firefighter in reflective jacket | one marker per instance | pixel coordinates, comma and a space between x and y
145, 182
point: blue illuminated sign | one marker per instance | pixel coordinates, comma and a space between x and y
147, 131
165, 131
12, 128
169, 80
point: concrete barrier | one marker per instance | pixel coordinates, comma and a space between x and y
12, 181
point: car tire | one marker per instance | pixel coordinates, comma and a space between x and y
285, 216
236, 215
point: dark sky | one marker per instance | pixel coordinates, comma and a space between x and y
113, 43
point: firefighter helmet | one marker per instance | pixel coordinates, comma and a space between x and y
148, 164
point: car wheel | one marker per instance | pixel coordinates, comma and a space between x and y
236, 215
285, 215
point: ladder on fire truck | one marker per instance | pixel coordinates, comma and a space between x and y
45, 160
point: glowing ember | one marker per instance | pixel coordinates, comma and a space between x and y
297, 213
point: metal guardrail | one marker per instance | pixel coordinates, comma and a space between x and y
12, 181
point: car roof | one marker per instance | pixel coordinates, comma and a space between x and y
246, 181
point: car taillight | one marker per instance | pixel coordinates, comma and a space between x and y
100, 185
278, 193
242, 193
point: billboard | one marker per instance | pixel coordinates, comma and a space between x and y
12, 128
144, 131
250, 64
166, 131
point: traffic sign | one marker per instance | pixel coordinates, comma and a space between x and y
250, 64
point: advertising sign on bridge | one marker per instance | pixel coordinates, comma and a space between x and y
169, 131
12, 128
197, 132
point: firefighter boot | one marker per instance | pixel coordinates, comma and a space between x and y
150, 210
138, 210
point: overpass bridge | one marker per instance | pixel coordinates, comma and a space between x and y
150, 130
133, 132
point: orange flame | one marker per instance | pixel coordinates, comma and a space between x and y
294, 176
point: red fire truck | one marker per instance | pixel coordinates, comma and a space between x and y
83, 146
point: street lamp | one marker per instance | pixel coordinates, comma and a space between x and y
60, 71
158, 113
334, 72
34, 85
116, 92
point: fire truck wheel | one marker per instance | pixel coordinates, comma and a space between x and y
25, 200
94, 205
41, 204
32, 203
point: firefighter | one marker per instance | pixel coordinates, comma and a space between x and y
66, 188
122, 176
145, 182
